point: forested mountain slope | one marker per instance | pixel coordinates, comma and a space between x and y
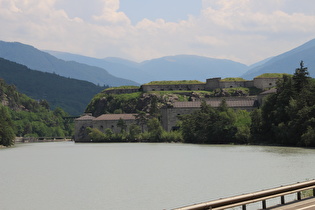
72, 95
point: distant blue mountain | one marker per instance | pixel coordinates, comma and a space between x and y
179, 67
42, 61
191, 67
286, 62
115, 66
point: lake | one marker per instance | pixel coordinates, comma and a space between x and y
68, 175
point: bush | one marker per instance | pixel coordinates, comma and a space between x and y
95, 134
173, 136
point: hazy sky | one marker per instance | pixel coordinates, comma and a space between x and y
241, 30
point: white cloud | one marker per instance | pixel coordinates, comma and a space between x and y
111, 15
243, 30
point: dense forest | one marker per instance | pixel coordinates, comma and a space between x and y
71, 95
23, 116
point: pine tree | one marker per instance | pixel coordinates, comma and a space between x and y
122, 125
300, 78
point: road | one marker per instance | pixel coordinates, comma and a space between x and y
307, 204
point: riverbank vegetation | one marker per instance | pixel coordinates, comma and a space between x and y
155, 133
25, 117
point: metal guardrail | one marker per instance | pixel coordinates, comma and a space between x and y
261, 196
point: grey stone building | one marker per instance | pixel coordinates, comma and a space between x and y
101, 123
169, 115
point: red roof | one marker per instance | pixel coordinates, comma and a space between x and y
86, 117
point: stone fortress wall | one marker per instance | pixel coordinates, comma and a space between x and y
170, 115
147, 88
121, 91
210, 84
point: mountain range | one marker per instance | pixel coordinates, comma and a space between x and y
38, 60
117, 72
179, 67
189, 67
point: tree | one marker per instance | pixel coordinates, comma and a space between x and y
154, 110
223, 107
44, 104
256, 127
141, 119
300, 78
308, 138
122, 125
134, 131
95, 134
108, 133
155, 129
6, 128
209, 125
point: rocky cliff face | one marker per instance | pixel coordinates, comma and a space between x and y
10, 97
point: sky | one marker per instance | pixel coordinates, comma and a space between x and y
245, 31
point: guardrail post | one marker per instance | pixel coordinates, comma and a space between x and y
282, 200
244, 207
264, 206
299, 195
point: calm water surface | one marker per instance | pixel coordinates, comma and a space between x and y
65, 175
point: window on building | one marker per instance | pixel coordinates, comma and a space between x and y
270, 84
